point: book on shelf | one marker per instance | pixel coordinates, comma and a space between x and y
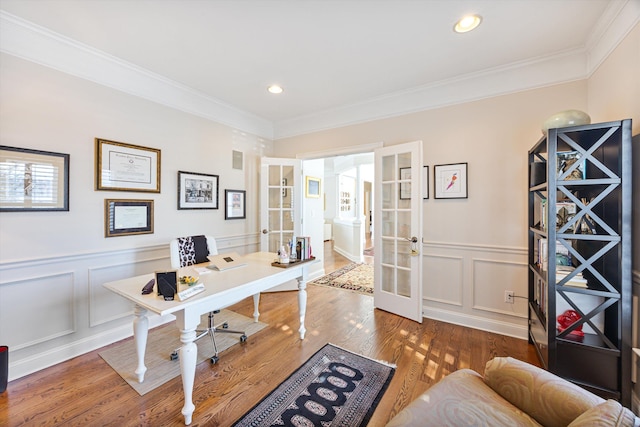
576, 281
303, 248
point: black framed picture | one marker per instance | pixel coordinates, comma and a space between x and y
124, 217
450, 181
235, 204
197, 190
405, 187
425, 182
33, 180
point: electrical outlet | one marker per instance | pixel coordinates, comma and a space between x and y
508, 297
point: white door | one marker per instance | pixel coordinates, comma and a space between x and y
398, 223
280, 199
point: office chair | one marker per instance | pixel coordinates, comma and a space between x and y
191, 250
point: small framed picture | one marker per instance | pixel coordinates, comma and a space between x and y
450, 181
127, 167
197, 190
312, 187
235, 204
33, 180
167, 284
127, 217
425, 182
405, 187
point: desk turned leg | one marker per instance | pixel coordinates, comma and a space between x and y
140, 332
302, 305
188, 357
256, 304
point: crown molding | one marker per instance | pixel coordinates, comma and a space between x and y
619, 19
547, 71
37, 44
34, 43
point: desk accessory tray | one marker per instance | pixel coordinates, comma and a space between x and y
292, 263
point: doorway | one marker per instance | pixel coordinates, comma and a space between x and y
348, 209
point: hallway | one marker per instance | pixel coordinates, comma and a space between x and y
334, 261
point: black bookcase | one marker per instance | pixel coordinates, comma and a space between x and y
580, 262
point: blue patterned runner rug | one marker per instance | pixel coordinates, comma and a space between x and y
335, 387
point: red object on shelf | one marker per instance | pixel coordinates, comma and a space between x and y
567, 319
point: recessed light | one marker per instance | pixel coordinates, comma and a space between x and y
275, 89
467, 23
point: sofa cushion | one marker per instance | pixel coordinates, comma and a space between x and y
551, 400
461, 399
609, 413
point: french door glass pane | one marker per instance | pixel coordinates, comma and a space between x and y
388, 168
388, 196
274, 221
274, 198
404, 282
388, 252
404, 253
388, 223
388, 278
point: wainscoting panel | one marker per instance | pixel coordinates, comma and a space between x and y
50, 314
465, 283
444, 281
491, 278
104, 305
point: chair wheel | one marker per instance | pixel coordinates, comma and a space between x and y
174, 356
214, 360
243, 338
225, 325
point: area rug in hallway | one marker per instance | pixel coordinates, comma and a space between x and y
354, 277
162, 341
334, 387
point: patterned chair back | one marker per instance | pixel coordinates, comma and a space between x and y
191, 250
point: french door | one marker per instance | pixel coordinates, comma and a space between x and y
398, 225
279, 202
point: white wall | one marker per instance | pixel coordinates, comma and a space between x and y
53, 264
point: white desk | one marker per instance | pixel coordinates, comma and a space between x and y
222, 289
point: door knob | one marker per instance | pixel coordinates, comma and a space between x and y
414, 246
265, 231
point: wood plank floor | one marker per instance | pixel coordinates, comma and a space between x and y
85, 391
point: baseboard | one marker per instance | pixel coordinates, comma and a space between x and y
476, 322
46, 359
346, 254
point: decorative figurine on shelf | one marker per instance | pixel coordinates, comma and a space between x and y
567, 319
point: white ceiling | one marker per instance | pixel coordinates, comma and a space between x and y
339, 62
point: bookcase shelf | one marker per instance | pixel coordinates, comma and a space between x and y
580, 287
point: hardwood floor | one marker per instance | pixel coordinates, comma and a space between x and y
85, 391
